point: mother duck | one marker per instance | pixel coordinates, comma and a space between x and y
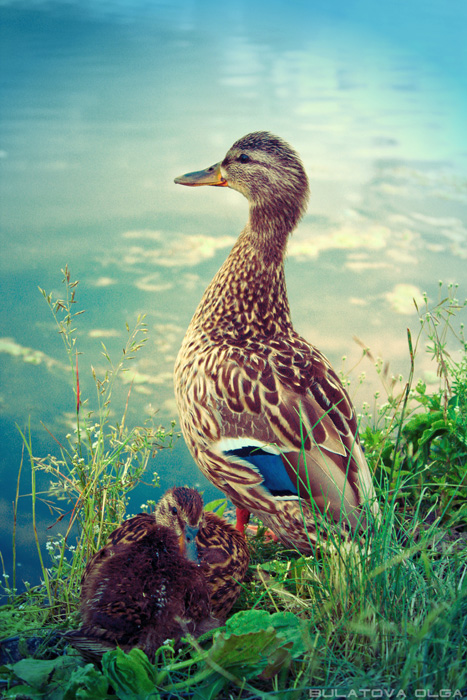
263, 413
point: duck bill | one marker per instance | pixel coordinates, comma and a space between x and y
210, 176
187, 543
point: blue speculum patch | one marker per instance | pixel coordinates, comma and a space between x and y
271, 468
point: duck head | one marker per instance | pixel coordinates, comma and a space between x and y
266, 170
181, 510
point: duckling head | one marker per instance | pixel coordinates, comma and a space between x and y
181, 510
267, 171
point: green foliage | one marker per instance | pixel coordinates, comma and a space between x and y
418, 443
55, 679
19, 617
386, 618
99, 464
435, 443
131, 675
253, 642
218, 506
432, 454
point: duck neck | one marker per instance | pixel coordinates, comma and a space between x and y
269, 226
248, 296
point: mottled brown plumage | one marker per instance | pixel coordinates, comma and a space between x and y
262, 411
224, 553
160, 576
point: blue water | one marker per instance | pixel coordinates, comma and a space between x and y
103, 104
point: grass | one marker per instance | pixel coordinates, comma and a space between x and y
100, 462
386, 619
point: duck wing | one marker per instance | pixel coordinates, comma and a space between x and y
277, 424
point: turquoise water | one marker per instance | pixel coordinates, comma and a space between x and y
103, 104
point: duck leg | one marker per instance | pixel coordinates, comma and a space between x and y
243, 517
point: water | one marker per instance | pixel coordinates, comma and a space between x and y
103, 104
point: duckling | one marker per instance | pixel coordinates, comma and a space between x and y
224, 554
262, 411
160, 576
146, 586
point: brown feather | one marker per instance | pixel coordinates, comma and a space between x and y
225, 553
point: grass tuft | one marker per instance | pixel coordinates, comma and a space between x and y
98, 464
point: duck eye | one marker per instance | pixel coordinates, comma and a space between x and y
174, 510
243, 158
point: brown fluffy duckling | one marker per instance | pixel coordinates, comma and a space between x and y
160, 576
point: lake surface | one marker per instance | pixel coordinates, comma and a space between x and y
104, 103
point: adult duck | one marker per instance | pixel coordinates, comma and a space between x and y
160, 576
262, 411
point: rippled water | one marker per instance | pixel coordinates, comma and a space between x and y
104, 103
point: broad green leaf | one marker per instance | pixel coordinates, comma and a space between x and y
86, 683
41, 672
254, 642
130, 675
287, 625
437, 427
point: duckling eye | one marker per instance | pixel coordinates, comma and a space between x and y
174, 510
243, 158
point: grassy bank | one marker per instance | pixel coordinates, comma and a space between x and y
383, 617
